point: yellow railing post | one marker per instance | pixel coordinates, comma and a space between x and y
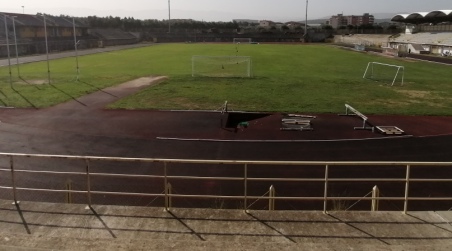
375, 199
165, 173
325, 192
88, 182
407, 186
245, 188
168, 192
69, 192
271, 198
13, 177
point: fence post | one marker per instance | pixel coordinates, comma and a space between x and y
325, 192
88, 181
13, 177
271, 198
407, 186
168, 192
375, 199
245, 175
69, 192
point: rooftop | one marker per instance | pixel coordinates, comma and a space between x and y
436, 16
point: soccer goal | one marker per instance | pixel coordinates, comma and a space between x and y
238, 40
384, 72
221, 66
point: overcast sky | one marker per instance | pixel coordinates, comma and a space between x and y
221, 10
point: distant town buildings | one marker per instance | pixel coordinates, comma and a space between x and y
246, 21
294, 25
266, 24
341, 20
182, 20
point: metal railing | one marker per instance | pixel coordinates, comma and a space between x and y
168, 195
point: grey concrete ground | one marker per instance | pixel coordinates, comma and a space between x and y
45, 226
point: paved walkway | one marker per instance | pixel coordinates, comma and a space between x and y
45, 226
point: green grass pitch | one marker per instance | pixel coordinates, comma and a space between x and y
286, 78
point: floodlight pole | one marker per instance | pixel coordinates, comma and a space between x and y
7, 48
169, 16
47, 48
15, 41
306, 21
23, 9
76, 51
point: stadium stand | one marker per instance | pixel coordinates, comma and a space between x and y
110, 37
426, 38
60, 34
30, 33
426, 33
430, 30
363, 39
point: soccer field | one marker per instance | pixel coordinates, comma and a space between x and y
286, 78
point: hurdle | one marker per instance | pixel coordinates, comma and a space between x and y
296, 122
299, 116
390, 130
359, 114
223, 108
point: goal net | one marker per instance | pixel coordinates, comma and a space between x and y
221, 66
238, 40
385, 73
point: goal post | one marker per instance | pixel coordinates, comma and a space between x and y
384, 72
245, 40
222, 66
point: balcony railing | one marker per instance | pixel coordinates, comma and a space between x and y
26, 164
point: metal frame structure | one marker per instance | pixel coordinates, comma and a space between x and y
241, 39
359, 114
168, 195
246, 59
395, 77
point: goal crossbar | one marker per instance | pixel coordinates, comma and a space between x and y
221, 66
389, 65
241, 39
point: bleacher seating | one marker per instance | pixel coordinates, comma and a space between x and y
364, 39
442, 38
114, 36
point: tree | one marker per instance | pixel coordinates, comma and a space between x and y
285, 27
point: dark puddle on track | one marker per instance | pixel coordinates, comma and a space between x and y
236, 118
